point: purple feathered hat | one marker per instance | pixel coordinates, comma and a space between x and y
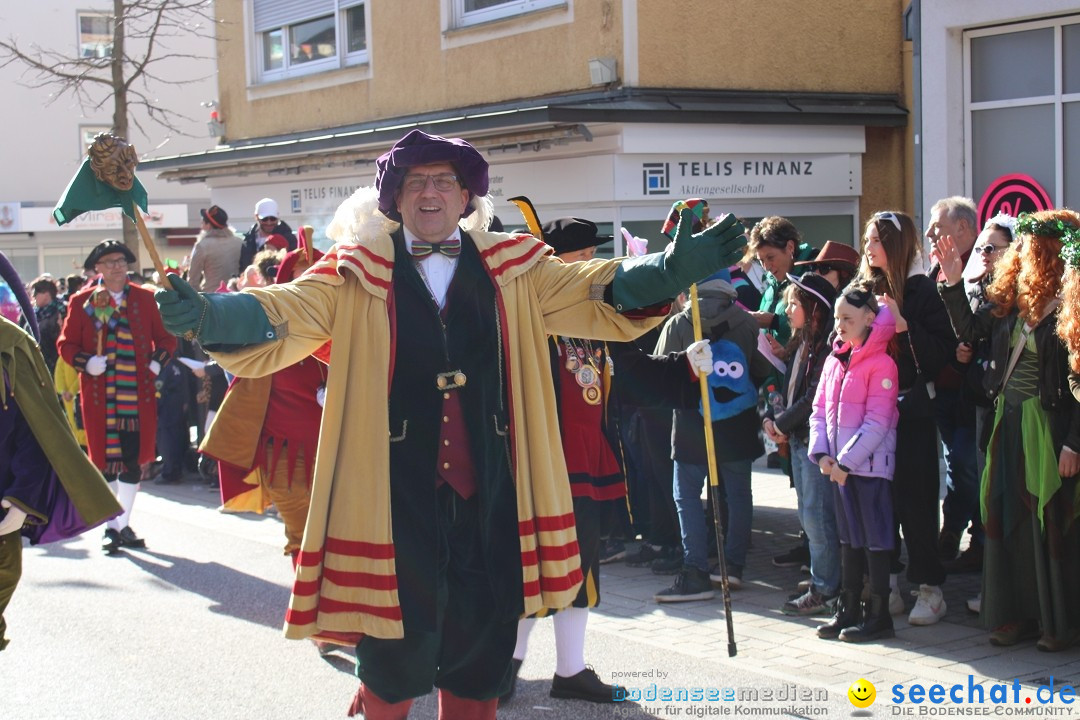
419, 148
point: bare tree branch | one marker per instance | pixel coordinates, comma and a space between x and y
142, 30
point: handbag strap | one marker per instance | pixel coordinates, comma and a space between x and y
1018, 349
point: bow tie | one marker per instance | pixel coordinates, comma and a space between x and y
450, 247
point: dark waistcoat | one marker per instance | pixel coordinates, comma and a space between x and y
465, 338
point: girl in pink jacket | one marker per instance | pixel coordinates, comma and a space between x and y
853, 441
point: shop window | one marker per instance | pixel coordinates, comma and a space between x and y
95, 35
1070, 45
1071, 192
1014, 65
1013, 140
474, 12
1022, 105
300, 37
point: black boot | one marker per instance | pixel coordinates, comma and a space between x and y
876, 624
847, 615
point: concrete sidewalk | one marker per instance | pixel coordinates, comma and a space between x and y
787, 647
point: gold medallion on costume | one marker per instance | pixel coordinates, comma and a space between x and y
582, 362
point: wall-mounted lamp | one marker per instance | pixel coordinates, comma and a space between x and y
603, 71
216, 125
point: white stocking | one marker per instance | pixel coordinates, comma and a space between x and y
570, 641
126, 495
114, 524
524, 628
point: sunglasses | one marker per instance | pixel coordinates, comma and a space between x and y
891, 217
988, 249
268, 219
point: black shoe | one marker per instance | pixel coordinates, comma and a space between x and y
586, 685
129, 539
795, 557
970, 561
690, 584
162, 480
646, 554
876, 624
667, 566
505, 697
111, 542
612, 551
847, 615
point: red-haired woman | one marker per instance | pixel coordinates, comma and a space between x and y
1029, 484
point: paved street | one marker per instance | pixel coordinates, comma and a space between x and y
190, 628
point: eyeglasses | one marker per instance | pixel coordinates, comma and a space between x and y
988, 249
117, 263
442, 183
891, 217
268, 219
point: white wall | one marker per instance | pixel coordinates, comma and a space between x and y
943, 23
41, 149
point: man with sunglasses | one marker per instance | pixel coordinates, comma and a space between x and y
267, 223
956, 217
441, 509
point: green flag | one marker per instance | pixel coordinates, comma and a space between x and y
85, 193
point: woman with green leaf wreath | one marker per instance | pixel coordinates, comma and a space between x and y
1029, 486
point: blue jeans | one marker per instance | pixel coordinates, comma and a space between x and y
735, 484
962, 478
817, 513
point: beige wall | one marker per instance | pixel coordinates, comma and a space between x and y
883, 172
783, 45
413, 74
838, 45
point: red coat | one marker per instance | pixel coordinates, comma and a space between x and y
78, 342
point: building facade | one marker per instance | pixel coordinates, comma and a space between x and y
47, 136
999, 103
607, 109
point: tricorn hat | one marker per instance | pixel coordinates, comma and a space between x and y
419, 148
107, 247
569, 234
832, 253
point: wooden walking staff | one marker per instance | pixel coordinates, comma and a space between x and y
151, 248
714, 485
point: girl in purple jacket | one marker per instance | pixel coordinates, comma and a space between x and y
853, 441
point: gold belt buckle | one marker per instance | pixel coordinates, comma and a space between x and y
450, 380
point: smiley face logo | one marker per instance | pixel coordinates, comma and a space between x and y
862, 693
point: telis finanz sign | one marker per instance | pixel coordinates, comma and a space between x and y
641, 177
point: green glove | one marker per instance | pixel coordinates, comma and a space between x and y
226, 320
659, 277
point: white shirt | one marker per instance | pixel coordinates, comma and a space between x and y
436, 269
